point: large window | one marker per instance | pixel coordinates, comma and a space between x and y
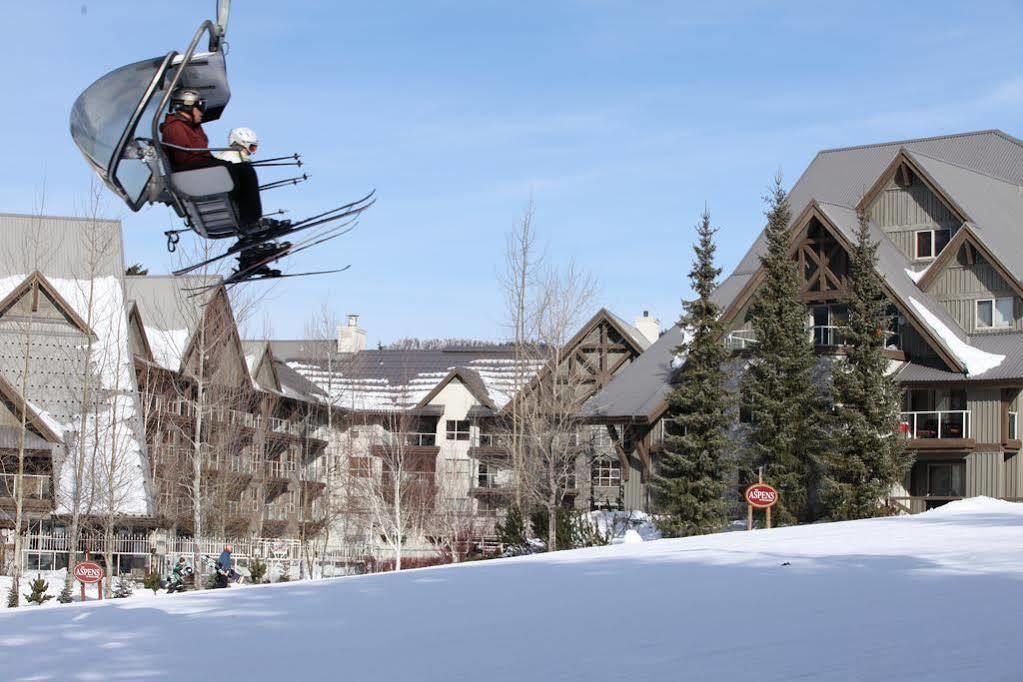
606, 472
457, 429
929, 243
994, 313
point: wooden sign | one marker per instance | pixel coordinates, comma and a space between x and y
759, 496
89, 572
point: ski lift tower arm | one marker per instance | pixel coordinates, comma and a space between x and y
223, 12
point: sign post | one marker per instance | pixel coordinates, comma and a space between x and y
89, 572
759, 496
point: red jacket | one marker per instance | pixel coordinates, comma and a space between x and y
176, 129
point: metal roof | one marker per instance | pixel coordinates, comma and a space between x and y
982, 170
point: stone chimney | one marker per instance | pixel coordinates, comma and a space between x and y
350, 338
650, 327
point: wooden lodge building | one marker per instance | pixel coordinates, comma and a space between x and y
947, 213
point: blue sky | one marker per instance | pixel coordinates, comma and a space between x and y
622, 119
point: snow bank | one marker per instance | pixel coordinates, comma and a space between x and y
828, 602
976, 360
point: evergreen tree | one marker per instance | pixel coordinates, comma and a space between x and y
38, 595
867, 457
690, 485
786, 408
65, 596
257, 571
12, 595
136, 269
124, 588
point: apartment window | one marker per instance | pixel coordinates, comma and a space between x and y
929, 243
359, 467
457, 429
607, 472
994, 313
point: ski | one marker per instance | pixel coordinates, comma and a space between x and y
350, 210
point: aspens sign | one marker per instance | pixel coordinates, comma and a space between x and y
761, 496
88, 572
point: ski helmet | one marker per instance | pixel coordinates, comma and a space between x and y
243, 137
186, 99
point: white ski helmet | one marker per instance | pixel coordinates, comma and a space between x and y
243, 137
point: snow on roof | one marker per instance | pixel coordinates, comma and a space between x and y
974, 359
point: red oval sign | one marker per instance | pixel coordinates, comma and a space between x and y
88, 572
761, 496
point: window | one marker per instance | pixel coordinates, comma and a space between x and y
929, 243
457, 429
994, 313
606, 472
359, 467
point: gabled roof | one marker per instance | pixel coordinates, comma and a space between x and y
38, 282
994, 207
967, 234
472, 382
981, 170
34, 420
170, 315
386, 379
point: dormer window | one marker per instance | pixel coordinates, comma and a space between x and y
929, 243
994, 313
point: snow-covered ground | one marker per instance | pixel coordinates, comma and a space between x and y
929, 597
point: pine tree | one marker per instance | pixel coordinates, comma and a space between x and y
12, 595
690, 485
65, 596
867, 457
38, 594
785, 406
124, 588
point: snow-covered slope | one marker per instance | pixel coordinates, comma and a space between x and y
929, 597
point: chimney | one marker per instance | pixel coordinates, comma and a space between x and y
650, 327
350, 338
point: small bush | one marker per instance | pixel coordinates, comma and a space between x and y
38, 595
257, 571
124, 588
152, 581
12, 595
65, 596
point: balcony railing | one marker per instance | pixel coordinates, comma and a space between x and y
420, 439
1014, 426
234, 463
936, 424
280, 512
491, 440
34, 486
278, 469
827, 335
740, 339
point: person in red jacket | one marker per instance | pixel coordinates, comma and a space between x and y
186, 146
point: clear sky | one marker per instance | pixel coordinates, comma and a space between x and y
623, 120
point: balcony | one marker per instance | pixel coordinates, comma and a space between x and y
234, 464
36, 493
422, 440
280, 512
278, 469
740, 339
827, 335
937, 428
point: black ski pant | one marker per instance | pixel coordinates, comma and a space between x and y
246, 190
